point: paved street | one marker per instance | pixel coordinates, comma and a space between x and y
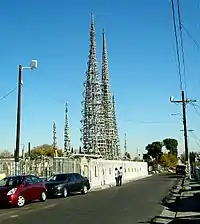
135, 202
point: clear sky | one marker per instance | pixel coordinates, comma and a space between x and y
142, 65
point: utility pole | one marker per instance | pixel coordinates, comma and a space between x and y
18, 131
29, 149
33, 65
29, 156
184, 102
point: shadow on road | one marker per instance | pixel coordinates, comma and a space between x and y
183, 220
182, 207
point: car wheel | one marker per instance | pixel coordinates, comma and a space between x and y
65, 193
43, 197
84, 190
20, 201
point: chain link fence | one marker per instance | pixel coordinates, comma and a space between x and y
43, 167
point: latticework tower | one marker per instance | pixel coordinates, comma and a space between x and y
107, 103
67, 147
125, 144
93, 134
116, 135
54, 145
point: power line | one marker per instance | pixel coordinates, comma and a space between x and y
181, 43
195, 138
184, 100
195, 108
190, 36
177, 45
7, 94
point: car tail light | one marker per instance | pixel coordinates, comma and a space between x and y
12, 191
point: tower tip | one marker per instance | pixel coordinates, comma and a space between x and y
92, 18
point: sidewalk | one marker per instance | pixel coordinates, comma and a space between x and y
188, 208
98, 188
182, 206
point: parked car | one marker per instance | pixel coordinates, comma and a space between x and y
65, 183
17, 190
181, 169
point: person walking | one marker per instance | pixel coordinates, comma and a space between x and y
117, 176
120, 176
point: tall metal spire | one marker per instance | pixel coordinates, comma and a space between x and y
54, 140
116, 140
93, 138
125, 144
66, 132
107, 103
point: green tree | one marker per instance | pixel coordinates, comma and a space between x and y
155, 149
5, 154
146, 157
44, 150
173, 160
183, 158
168, 160
171, 145
164, 160
137, 159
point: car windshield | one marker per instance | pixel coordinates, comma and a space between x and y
58, 177
10, 181
181, 167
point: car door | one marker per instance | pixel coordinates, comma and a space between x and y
37, 188
27, 189
71, 183
78, 182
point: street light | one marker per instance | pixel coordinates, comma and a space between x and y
175, 114
33, 65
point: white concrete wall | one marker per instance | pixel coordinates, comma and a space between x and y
102, 172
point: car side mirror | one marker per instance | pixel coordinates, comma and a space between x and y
27, 183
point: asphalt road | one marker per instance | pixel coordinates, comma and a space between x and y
135, 202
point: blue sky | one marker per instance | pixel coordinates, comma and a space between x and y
142, 65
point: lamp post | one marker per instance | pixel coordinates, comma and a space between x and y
32, 66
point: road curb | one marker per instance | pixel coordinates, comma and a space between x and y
113, 184
167, 216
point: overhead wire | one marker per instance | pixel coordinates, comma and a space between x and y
190, 36
7, 94
181, 44
177, 45
195, 136
195, 108
197, 141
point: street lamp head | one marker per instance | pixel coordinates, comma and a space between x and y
174, 114
33, 64
171, 98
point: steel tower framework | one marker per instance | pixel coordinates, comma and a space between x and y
107, 103
67, 144
116, 134
93, 123
54, 140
